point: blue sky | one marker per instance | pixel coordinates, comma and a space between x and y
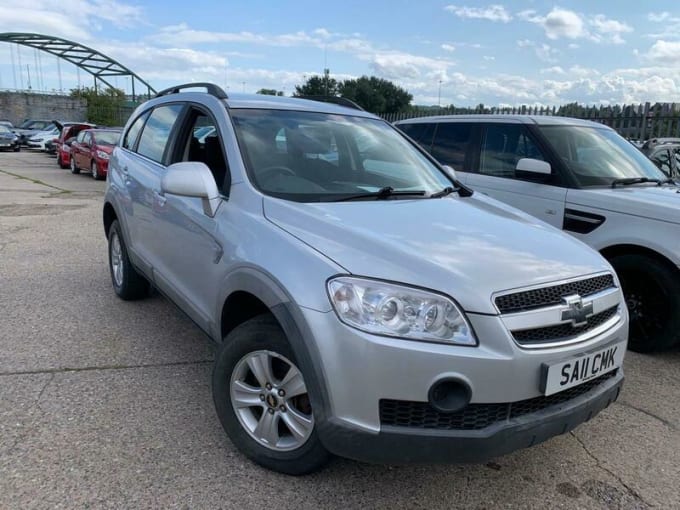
463, 53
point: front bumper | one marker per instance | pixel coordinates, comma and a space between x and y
360, 370
400, 445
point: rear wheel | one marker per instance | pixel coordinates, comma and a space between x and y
61, 162
652, 292
261, 398
127, 282
74, 168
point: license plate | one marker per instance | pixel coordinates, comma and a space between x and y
579, 369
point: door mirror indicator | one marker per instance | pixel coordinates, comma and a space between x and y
534, 166
192, 179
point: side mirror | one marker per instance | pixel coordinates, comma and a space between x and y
534, 166
450, 171
192, 179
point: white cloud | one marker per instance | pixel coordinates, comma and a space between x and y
172, 34
552, 70
665, 52
543, 51
71, 19
609, 29
558, 23
494, 12
566, 24
448, 47
662, 17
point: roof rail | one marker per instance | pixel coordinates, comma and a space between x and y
210, 88
342, 101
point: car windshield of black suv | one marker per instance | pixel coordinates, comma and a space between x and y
598, 157
316, 157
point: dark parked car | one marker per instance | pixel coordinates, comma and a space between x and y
91, 150
8, 140
67, 136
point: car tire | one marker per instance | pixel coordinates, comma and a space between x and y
651, 289
127, 282
261, 338
17, 148
94, 171
74, 168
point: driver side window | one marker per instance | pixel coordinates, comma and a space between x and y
503, 146
202, 143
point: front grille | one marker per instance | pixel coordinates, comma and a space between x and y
551, 296
403, 413
562, 331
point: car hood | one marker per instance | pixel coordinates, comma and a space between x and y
468, 248
654, 202
43, 134
105, 148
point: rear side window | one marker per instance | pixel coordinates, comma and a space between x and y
156, 133
503, 146
133, 133
662, 159
421, 132
451, 143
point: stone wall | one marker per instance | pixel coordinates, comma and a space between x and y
19, 106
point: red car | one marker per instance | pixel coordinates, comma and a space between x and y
63, 143
91, 151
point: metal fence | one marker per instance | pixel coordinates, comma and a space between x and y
635, 122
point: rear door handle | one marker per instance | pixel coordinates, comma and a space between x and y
125, 169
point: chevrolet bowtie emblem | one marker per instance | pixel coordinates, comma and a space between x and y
578, 311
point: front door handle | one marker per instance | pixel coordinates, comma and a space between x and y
159, 198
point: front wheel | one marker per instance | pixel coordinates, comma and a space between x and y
74, 168
652, 293
94, 171
261, 398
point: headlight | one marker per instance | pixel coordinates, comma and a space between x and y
395, 310
102, 155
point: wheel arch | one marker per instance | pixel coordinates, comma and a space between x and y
613, 251
248, 292
109, 216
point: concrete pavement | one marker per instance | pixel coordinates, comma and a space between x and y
107, 404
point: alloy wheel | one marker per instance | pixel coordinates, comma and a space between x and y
270, 400
116, 259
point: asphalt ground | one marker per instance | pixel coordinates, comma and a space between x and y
107, 404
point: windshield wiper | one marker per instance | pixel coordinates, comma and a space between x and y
382, 194
635, 180
442, 193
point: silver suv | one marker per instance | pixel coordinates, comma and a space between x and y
365, 302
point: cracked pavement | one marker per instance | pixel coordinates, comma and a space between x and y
107, 404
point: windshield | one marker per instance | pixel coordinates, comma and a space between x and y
107, 137
35, 124
312, 157
4, 129
597, 156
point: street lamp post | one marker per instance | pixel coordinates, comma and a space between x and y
439, 95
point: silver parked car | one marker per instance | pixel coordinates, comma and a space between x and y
364, 302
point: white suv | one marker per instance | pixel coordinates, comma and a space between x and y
584, 178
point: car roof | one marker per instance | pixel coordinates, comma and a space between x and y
261, 101
545, 120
